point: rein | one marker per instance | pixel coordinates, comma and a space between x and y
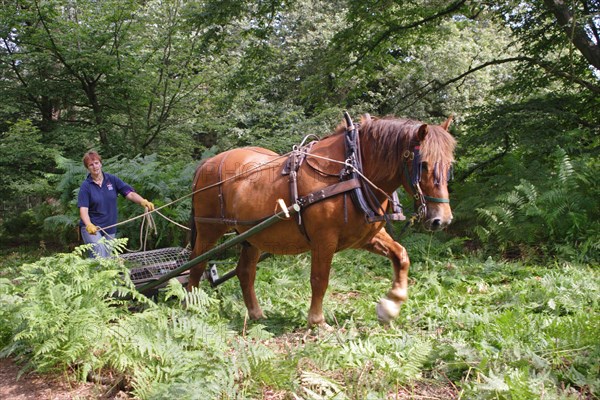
352, 180
414, 181
352, 171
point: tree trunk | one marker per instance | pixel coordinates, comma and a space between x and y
575, 31
90, 91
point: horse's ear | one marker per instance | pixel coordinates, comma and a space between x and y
446, 124
422, 132
366, 118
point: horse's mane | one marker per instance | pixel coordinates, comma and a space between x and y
390, 137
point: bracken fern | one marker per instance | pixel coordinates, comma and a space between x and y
554, 219
68, 305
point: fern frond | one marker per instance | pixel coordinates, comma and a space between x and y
317, 386
529, 190
493, 383
566, 172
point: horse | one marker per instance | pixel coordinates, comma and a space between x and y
236, 189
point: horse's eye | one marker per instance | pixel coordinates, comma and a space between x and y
424, 167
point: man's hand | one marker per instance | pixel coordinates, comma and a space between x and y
91, 228
146, 204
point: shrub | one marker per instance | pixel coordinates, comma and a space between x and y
556, 218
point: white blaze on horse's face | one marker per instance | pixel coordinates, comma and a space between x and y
438, 218
439, 212
434, 178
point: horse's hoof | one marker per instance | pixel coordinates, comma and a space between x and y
257, 316
319, 330
319, 324
324, 327
387, 310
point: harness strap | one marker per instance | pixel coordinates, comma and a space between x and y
396, 213
329, 191
229, 221
221, 198
354, 157
304, 201
415, 188
436, 199
320, 195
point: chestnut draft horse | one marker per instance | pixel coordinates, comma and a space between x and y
239, 188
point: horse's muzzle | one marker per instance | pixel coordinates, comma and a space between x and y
436, 224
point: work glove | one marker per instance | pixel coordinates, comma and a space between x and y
91, 228
146, 204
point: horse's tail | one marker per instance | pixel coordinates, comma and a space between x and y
193, 231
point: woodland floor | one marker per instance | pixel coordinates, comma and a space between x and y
32, 386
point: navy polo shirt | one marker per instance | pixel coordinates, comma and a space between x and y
102, 201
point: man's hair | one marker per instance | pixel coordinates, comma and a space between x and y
91, 156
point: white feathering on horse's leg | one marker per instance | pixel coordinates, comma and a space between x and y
387, 310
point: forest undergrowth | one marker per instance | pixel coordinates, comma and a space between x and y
471, 329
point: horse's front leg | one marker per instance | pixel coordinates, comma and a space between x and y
382, 243
321, 257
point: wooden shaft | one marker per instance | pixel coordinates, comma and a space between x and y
293, 209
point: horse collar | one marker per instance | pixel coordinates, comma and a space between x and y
362, 196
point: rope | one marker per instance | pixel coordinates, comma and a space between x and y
147, 222
147, 215
150, 224
173, 222
157, 209
348, 164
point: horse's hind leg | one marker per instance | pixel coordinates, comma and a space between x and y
246, 273
207, 236
382, 243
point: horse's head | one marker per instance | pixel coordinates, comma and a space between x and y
428, 168
418, 156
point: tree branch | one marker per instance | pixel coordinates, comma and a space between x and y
88, 86
487, 162
548, 67
591, 23
20, 78
574, 31
398, 28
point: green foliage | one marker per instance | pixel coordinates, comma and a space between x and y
62, 308
502, 327
69, 313
171, 345
29, 226
555, 46
166, 184
24, 176
122, 76
24, 162
524, 178
183, 80
431, 247
559, 215
26, 183
492, 329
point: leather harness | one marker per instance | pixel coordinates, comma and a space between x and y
350, 183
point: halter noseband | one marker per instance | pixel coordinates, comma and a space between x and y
414, 181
